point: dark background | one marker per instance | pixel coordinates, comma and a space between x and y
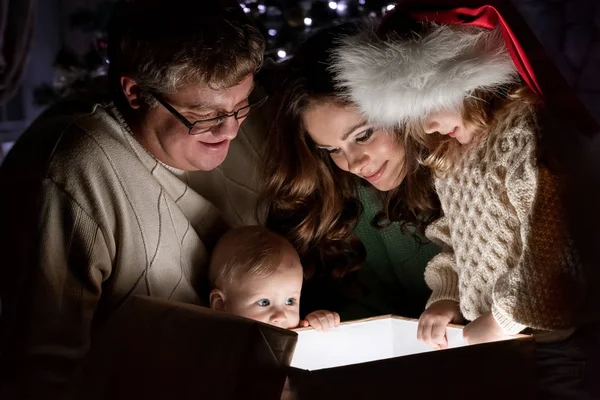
67, 44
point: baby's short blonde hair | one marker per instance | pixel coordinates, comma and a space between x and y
253, 250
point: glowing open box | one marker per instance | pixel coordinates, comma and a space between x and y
363, 341
157, 349
381, 357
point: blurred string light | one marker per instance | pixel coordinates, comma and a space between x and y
304, 19
271, 16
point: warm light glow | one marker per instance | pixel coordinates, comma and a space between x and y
281, 53
333, 5
308, 21
390, 7
363, 341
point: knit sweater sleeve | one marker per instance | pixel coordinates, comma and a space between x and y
440, 273
540, 291
51, 322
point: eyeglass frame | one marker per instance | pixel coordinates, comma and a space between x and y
219, 119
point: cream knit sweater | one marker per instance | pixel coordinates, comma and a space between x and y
505, 245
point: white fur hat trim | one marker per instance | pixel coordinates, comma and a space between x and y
397, 80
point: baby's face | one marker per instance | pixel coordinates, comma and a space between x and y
274, 299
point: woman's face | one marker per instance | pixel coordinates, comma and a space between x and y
356, 146
451, 123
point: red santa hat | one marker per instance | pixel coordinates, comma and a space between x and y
448, 56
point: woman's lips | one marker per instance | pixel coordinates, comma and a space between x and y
377, 175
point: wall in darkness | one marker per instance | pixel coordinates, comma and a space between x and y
47, 41
569, 30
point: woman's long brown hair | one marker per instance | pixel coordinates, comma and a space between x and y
311, 201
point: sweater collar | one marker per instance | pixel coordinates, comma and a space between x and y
180, 173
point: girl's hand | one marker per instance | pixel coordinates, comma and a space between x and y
321, 320
433, 322
484, 329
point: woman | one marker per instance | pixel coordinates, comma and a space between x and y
330, 214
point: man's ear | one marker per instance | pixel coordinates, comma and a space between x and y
132, 92
217, 300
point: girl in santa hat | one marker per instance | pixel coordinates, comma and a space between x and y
463, 91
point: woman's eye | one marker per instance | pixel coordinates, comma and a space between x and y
332, 151
263, 302
290, 302
365, 136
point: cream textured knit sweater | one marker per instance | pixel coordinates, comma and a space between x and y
504, 237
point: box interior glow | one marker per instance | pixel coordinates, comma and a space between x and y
363, 341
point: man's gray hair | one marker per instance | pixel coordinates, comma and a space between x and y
165, 44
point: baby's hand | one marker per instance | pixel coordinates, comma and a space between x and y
321, 320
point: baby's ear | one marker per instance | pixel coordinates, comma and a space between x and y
217, 300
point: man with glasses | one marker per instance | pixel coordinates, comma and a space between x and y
207, 125
115, 193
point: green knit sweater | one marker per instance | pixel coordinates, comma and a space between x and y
392, 277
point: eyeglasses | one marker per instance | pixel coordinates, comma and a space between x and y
206, 125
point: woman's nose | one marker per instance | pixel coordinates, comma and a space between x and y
356, 162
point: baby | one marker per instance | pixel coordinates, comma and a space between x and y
257, 274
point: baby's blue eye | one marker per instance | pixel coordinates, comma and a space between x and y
290, 302
263, 302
